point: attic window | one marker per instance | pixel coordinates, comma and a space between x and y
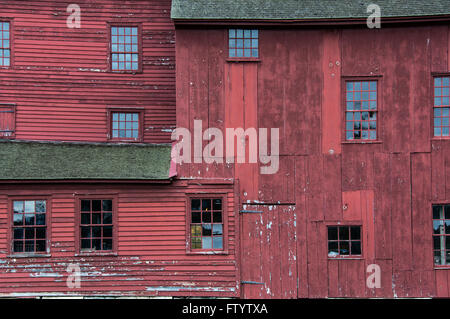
243, 43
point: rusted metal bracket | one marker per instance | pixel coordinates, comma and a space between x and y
252, 282
251, 211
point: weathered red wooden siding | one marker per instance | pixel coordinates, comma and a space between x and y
386, 187
151, 258
60, 80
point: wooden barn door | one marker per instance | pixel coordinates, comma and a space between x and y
268, 252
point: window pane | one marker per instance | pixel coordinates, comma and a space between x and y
343, 233
217, 229
333, 248
195, 204
344, 248
332, 233
206, 242
107, 218
196, 243
356, 248
206, 230
217, 217
40, 206
18, 233
18, 206
107, 244
85, 205
29, 206
196, 217
355, 232
218, 242
107, 205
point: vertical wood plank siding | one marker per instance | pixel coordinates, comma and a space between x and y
387, 187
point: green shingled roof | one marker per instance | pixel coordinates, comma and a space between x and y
58, 161
303, 9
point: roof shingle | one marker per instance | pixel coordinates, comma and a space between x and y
303, 9
59, 161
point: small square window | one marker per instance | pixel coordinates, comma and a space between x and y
125, 125
243, 43
344, 241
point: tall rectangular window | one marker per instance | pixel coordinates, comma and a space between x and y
96, 225
7, 121
206, 224
441, 234
29, 226
361, 110
442, 106
125, 48
5, 44
344, 241
243, 43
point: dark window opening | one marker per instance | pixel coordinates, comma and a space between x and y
344, 241
96, 226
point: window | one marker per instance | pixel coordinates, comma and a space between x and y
243, 43
96, 225
441, 234
7, 121
206, 224
344, 241
29, 228
361, 110
125, 48
126, 125
5, 44
441, 106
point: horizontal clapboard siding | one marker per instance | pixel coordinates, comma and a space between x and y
151, 256
60, 79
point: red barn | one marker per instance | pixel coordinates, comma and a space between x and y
360, 203
352, 202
